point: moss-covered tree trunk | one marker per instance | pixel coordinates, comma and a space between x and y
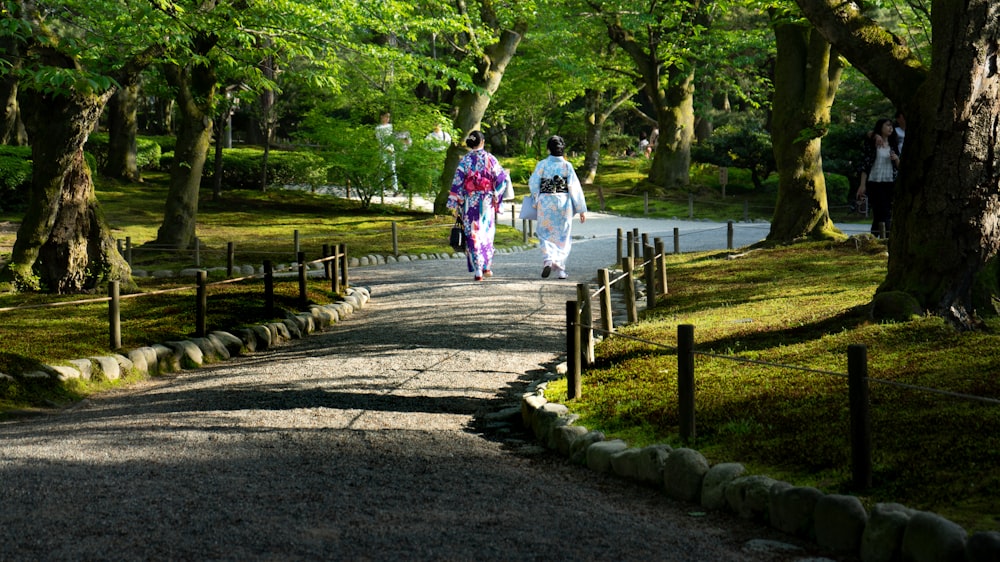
471, 106
122, 132
946, 214
806, 76
63, 244
196, 95
671, 165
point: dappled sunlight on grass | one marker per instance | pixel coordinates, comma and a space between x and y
802, 306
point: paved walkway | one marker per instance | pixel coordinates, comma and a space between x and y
360, 443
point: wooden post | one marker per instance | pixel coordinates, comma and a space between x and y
268, 288
620, 254
197, 252
628, 265
326, 262
677, 240
513, 216
637, 251
573, 386
860, 405
344, 278
729, 235
524, 230
661, 266
230, 259
303, 289
335, 269
629, 246
607, 322
114, 315
586, 325
295, 240
201, 310
649, 272
395, 239
128, 249
685, 381
690, 205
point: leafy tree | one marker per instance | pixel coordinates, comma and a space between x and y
944, 232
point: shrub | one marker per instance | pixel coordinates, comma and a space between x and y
15, 177
147, 156
242, 168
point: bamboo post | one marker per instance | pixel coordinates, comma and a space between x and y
586, 325
607, 322
573, 386
268, 288
395, 239
303, 290
685, 381
114, 315
628, 264
201, 309
860, 407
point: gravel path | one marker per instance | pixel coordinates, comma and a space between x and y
365, 442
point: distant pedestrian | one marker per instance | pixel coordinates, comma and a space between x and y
558, 196
476, 194
385, 136
878, 174
439, 138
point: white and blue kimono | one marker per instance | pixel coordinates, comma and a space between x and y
558, 196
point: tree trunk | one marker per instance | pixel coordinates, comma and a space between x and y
122, 131
11, 127
471, 106
595, 120
806, 76
194, 134
63, 244
671, 166
946, 225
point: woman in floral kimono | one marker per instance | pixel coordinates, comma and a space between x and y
558, 196
476, 194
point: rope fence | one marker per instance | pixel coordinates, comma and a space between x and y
335, 270
580, 330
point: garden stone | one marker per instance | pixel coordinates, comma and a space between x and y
545, 420
125, 365
683, 473
582, 444
247, 270
85, 367
293, 329
108, 367
63, 372
839, 522
713, 486
280, 331
599, 454
189, 272
882, 540
210, 353
750, 496
649, 464
529, 409
983, 546
930, 537
624, 463
162, 274
264, 337
187, 354
166, 360
233, 344
793, 508
144, 360
565, 436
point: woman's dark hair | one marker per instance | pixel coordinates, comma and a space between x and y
474, 139
556, 145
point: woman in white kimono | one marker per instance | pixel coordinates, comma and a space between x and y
558, 196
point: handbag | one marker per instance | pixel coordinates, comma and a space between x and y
528, 210
457, 240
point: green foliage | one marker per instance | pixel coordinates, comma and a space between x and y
15, 177
242, 168
147, 155
740, 143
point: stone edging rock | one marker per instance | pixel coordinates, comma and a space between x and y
173, 356
838, 523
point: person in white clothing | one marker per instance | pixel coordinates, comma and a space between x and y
440, 139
